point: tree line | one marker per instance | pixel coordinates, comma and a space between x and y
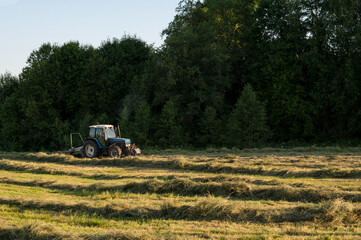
230, 73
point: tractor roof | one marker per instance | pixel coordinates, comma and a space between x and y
101, 126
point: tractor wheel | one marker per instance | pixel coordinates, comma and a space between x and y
90, 149
114, 152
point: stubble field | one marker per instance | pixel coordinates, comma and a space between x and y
213, 194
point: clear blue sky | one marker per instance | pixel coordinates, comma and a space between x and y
26, 24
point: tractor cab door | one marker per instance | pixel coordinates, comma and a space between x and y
100, 135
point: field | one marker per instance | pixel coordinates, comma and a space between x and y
297, 193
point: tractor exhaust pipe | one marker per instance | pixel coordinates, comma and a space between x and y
119, 131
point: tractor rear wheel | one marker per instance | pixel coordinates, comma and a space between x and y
114, 152
90, 149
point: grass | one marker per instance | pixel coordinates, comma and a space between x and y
301, 193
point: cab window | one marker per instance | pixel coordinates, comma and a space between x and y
109, 132
99, 133
92, 132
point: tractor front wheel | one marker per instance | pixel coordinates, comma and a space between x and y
90, 149
114, 152
126, 151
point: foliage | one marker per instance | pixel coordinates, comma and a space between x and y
210, 126
301, 57
168, 126
64, 88
247, 122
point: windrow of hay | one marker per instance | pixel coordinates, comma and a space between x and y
314, 149
327, 212
188, 187
41, 231
338, 211
34, 167
185, 164
240, 189
210, 209
33, 231
98, 187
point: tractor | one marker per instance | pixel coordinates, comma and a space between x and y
102, 141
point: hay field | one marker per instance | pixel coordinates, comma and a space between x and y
173, 194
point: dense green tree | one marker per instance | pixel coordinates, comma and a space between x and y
51, 94
84, 124
122, 59
8, 85
169, 130
142, 121
197, 70
210, 126
247, 122
8, 117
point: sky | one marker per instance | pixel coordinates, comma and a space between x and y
26, 24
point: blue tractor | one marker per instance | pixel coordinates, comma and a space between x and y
102, 141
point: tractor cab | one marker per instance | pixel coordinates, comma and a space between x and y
102, 140
102, 133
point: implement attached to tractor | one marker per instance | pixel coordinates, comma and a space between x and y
102, 141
